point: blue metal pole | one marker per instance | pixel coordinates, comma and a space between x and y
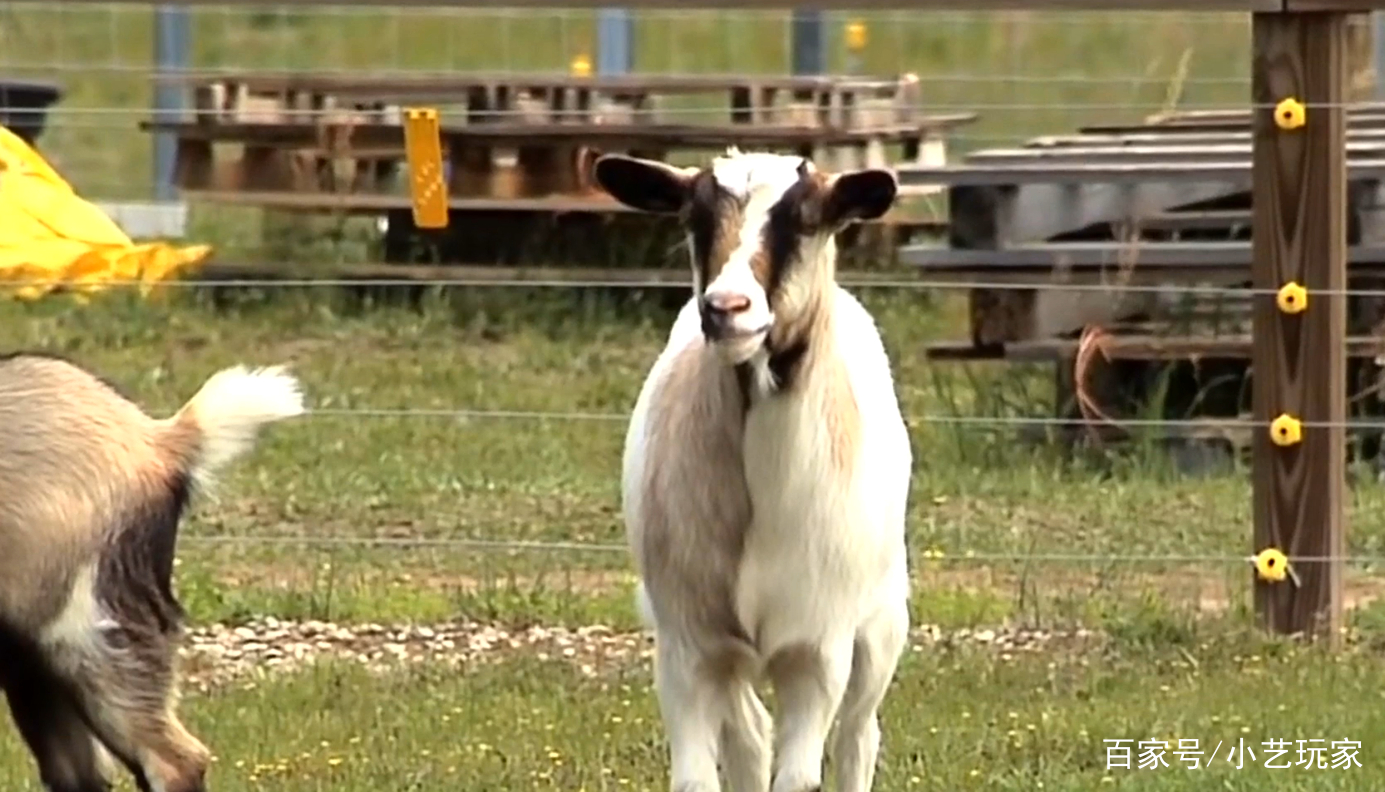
1378, 19
615, 41
172, 34
808, 46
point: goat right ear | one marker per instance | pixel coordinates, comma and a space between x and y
646, 185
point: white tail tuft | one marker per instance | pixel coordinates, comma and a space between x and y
230, 408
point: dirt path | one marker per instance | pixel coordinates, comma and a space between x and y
219, 655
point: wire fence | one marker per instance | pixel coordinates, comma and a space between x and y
1025, 74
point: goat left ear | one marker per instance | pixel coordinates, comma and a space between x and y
646, 185
859, 195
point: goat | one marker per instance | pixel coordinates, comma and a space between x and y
92, 491
765, 479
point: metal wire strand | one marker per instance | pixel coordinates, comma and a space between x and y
962, 557
558, 283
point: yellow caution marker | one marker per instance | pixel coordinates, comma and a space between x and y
1271, 565
423, 149
1292, 298
856, 36
1286, 430
1290, 114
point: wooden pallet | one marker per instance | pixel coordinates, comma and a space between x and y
1164, 202
527, 135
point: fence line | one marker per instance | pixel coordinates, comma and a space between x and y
974, 420
965, 556
932, 108
556, 283
230, 72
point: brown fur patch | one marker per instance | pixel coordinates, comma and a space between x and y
843, 415
714, 219
695, 504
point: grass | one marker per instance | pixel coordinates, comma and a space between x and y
1177, 660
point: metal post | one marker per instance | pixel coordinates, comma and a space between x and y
172, 36
808, 44
615, 34
1378, 19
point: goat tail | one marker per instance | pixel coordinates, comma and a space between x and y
222, 420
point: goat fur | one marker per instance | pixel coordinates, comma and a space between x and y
92, 491
767, 520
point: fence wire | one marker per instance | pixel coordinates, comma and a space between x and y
658, 281
924, 555
1025, 74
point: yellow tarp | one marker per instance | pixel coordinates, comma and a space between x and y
50, 236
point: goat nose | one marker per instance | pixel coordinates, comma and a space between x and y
727, 303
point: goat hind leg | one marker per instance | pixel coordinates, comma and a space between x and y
745, 739
856, 744
692, 709
126, 698
809, 682
69, 757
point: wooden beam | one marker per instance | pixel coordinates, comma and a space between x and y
834, 5
1298, 359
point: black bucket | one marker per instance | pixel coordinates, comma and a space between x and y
24, 107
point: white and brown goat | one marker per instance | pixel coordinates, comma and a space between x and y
765, 481
92, 491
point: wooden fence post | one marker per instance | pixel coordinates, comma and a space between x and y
1299, 358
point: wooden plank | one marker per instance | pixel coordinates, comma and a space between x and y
1300, 235
1190, 221
1372, 120
1106, 173
1243, 113
1344, 6
1172, 138
378, 204
1141, 155
709, 136
831, 5
1130, 347
489, 275
352, 85
1063, 255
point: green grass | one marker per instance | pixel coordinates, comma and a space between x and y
1178, 661
958, 718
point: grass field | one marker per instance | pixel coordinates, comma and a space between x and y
520, 667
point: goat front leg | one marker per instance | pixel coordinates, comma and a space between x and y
692, 708
809, 683
857, 743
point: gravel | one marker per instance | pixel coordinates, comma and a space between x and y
220, 654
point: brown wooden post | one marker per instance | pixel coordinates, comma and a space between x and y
1299, 359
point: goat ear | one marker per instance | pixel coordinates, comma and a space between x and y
859, 195
646, 185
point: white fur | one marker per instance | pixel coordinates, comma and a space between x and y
81, 619
230, 408
824, 569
